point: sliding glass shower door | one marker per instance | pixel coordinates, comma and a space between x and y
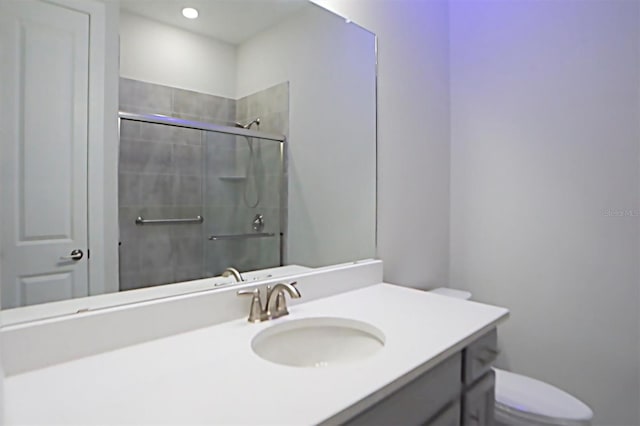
195, 199
243, 200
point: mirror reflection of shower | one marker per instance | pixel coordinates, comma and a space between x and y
194, 170
250, 172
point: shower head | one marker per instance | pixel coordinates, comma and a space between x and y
248, 125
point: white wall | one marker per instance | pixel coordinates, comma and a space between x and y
413, 135
545, 132
103, 148
162, 54
330, 66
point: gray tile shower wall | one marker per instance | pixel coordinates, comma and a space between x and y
148, 98
159, 178
243, 172
171, 172
270, 105
161, 171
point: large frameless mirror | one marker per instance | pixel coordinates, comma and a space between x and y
247, 140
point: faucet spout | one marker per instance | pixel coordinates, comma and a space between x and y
233, 272
276, 302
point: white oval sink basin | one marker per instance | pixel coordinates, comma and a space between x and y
318, 342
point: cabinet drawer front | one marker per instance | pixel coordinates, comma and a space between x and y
479, 356
418, 401
449, 417
479, 402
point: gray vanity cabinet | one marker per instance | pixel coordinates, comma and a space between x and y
459, 391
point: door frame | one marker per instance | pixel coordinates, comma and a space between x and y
102, 209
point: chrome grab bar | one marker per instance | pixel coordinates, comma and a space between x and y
241, 236
142, 221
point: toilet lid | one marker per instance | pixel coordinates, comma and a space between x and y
531, 396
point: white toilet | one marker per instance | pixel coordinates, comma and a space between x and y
521, 400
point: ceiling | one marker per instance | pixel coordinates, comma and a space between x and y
232, 21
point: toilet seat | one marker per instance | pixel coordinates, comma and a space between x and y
523, 400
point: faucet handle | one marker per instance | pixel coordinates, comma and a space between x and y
256, 313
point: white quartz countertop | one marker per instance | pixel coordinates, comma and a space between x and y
212, 376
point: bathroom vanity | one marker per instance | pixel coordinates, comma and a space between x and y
431, 363
458, 391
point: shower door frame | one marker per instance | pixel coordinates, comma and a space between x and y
231, 130
189, 124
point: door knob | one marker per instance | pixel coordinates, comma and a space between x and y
75, 255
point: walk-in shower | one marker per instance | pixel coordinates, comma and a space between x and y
196, 198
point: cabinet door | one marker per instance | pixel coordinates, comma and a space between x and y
419, 401
449, 417
479, 402
44, 70
479, 356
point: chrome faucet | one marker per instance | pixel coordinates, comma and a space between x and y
276, 305
233, 271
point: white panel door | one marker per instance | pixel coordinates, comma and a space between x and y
44, 65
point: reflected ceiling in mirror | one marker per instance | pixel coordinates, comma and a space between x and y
229, 21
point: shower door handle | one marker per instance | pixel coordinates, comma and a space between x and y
74, 255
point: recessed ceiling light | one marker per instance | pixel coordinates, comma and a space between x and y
190, 13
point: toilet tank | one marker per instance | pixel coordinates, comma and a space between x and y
451, 292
